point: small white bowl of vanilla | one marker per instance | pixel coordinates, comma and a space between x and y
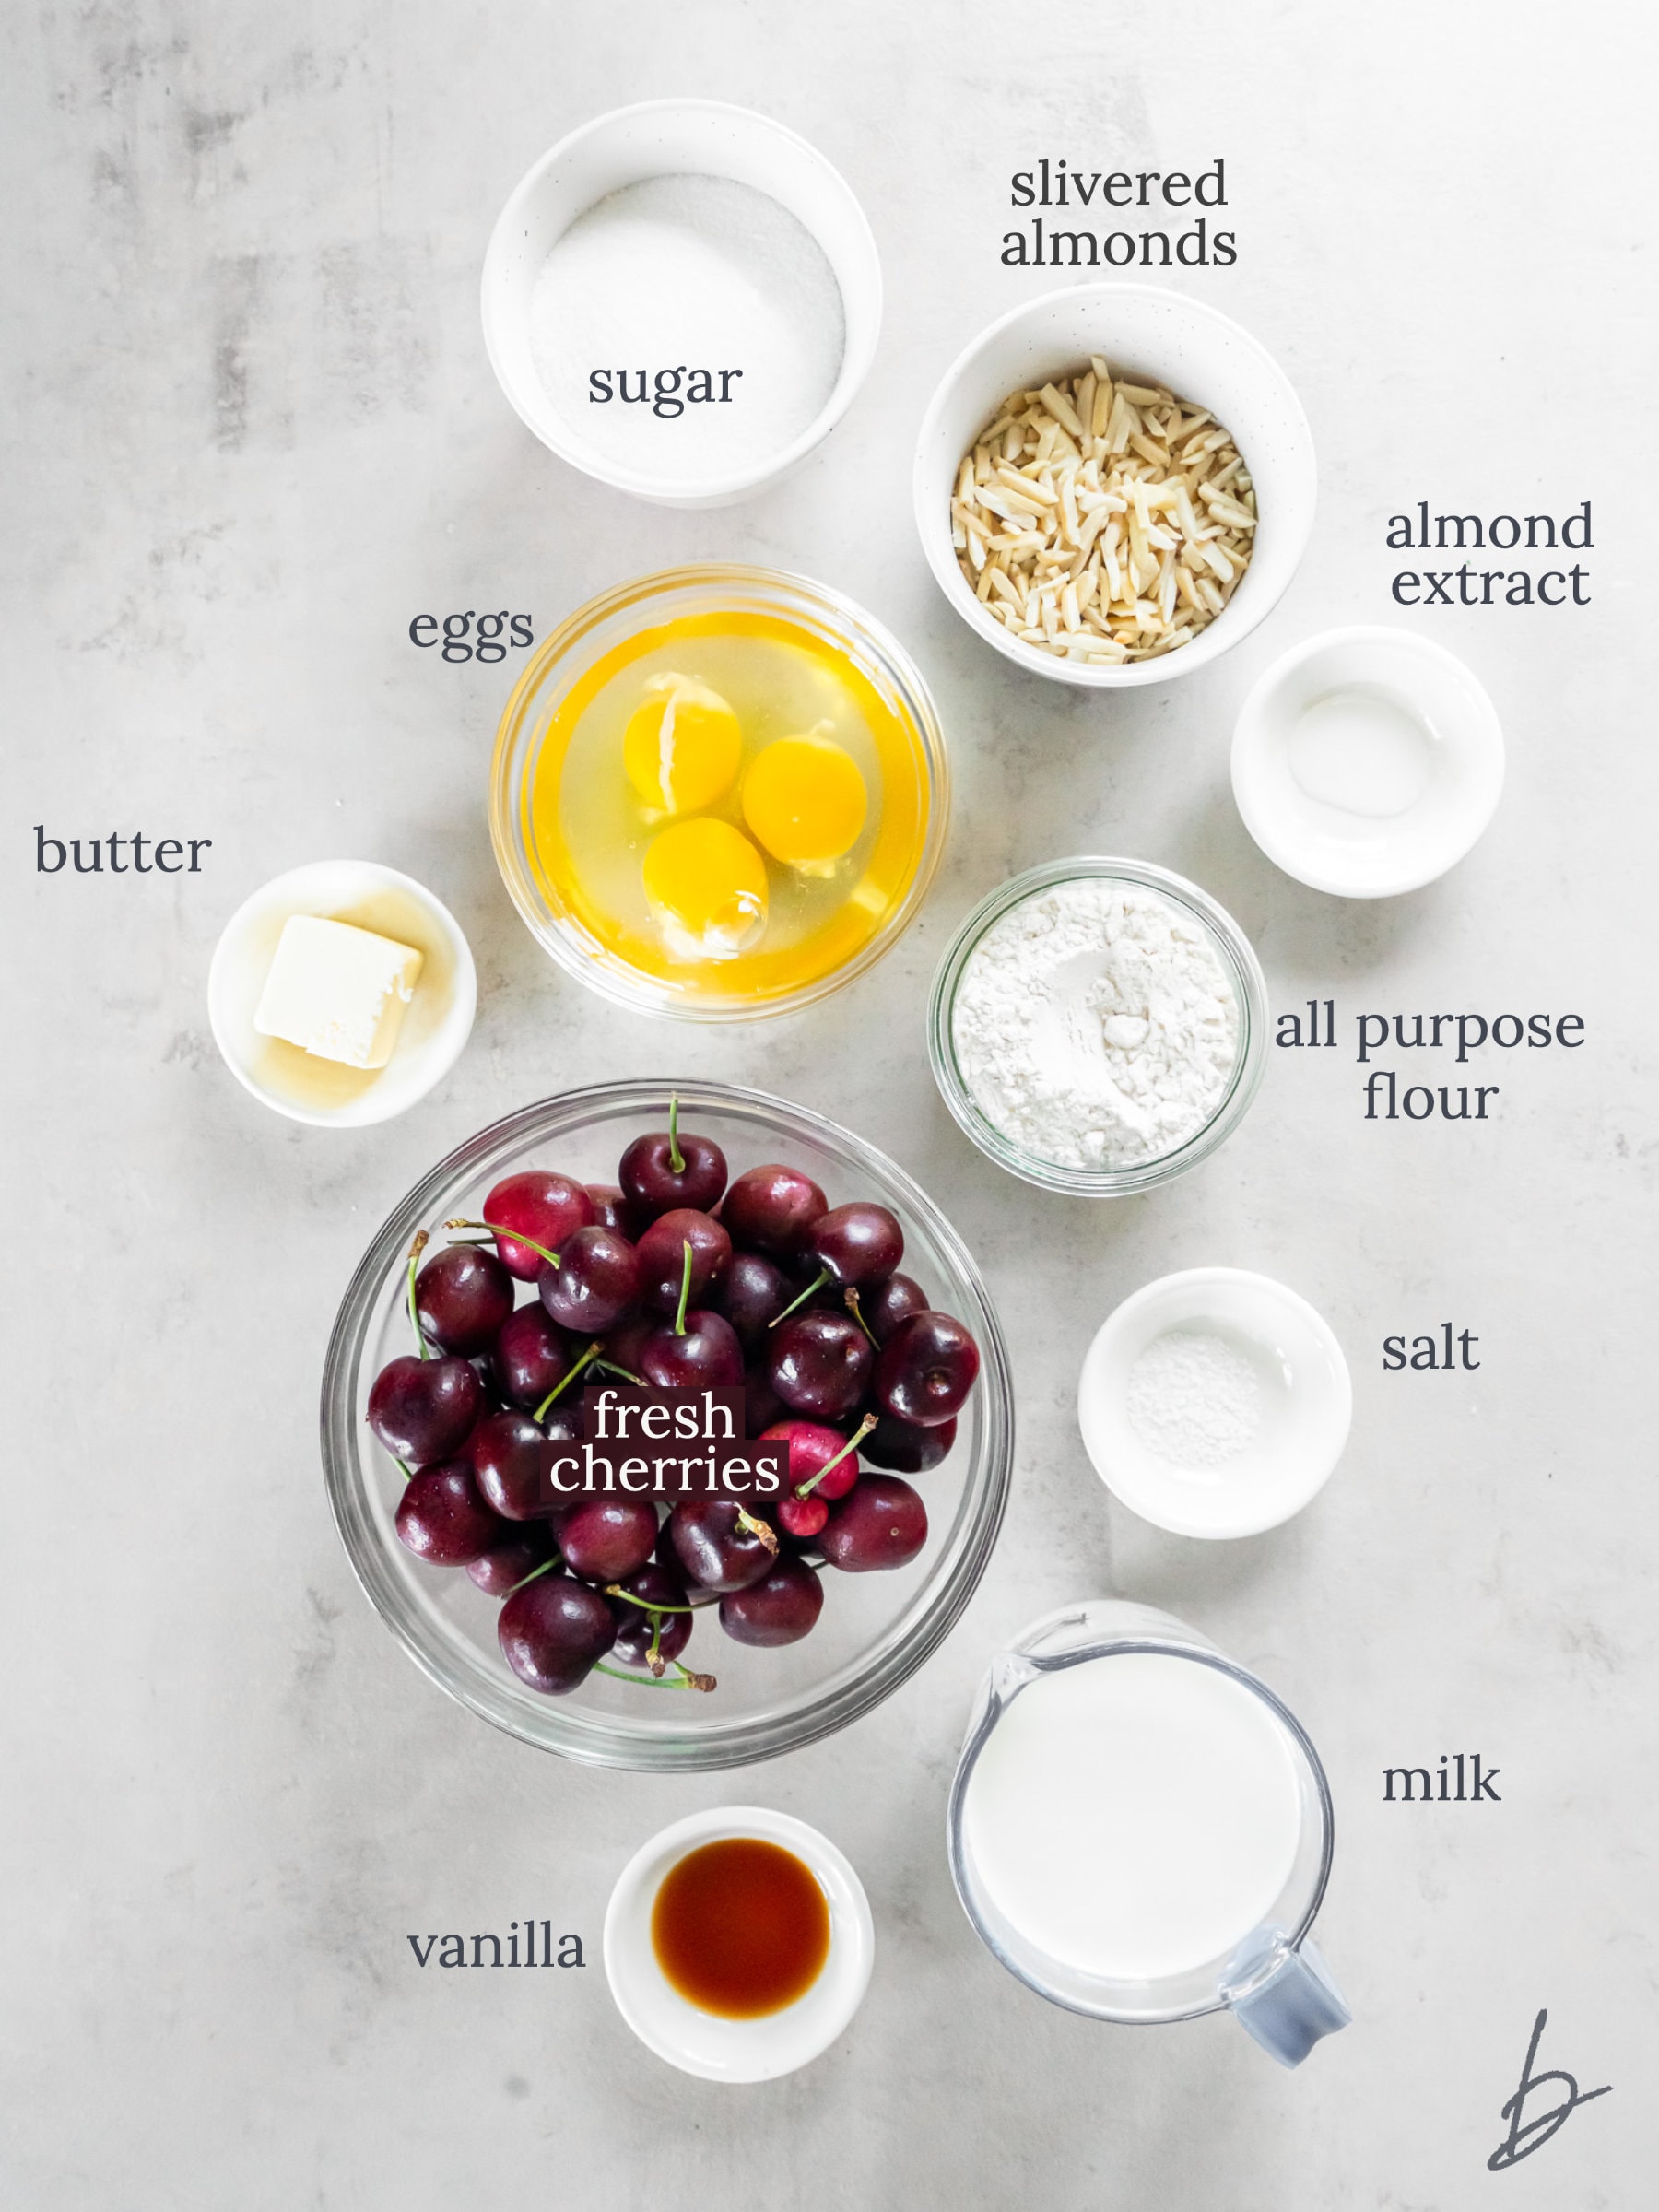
341, 994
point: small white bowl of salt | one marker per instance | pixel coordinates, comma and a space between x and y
681, 298
1215, 1403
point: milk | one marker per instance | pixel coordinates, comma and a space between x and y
1135, 1816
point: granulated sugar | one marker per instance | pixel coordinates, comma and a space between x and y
1193, 1399
1095, 1025
660, 287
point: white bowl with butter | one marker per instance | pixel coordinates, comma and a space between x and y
302, 1016
1366, 761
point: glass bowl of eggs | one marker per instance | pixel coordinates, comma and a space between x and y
718, 793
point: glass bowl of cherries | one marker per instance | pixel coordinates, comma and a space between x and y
699, 1236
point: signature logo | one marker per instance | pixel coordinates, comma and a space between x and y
1524, 2137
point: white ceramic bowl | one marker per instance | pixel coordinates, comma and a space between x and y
1201, 355
700, 2042
436, 1023
1366, 761
674, 137
1306, 1404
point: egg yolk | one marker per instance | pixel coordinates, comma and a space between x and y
682, 744
707, 888
805, 800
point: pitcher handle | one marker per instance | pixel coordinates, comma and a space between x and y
1291, 2005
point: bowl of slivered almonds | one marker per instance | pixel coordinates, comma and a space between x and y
1114, 483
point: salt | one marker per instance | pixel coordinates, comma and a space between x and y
688, 274
1193, 1399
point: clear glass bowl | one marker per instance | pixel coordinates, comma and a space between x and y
1239, 961
572, 652
875, 1629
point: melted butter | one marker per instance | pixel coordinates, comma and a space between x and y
306, 1079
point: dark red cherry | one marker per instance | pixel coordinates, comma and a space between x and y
666, 1169
718, 1544
636, 1626
611, 1209
594, 1284
442, 1518
770, 1208
461, 1297
880, 1522
505, 1454
422, 1409
781, 1608
705, 1355
884, 1305
753, 1291
531, 1354
857, 1244
662, 1256
819, 1364
925, 1370
906, 1449
523, 1547
607, 1538
548, 1208
552, 1630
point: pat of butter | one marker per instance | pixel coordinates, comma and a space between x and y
337, 991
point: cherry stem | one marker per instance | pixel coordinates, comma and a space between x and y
646, 1605
408, 1472
419, 1245
850, 1297
804, 1490
757, 1529
689, 1679
679, 1319
564, 1382
654, 1656
534, 1575
512, 1236
677, 1159
816, 1284
627, 1373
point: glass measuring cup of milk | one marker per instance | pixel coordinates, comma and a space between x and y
1141, 1831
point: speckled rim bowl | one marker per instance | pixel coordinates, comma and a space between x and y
1250, 992
875, 1629
677, 137
581, 640
1201, 355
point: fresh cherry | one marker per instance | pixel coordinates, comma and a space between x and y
666, 1170
505, 1454
857, 1244
644, 1632
662, 1254
771, 1209
821, 1460
422, 1409
880, 1522
720, 1544
461, 1297
605, 1539
926, 1369
906, 1449
594, 1284
531, 1354
547, 1209
522, 1549
611, 1209
780, 1608
802, 1518
819, 1364
552, 1630
753, 1291
704, 1355
442, 1518
883, 1306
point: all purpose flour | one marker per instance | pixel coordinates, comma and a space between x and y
1095, 1025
